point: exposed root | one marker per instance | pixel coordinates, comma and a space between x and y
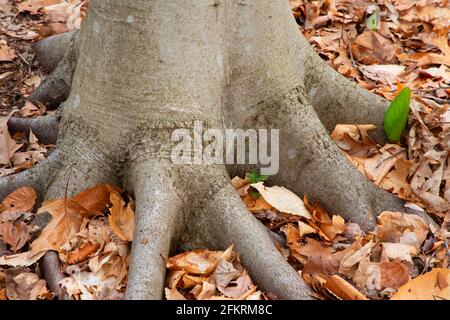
312, 164
37, 177
338, 100
50, 266
50, 51
56, 87
225, 220
45, 128
158, 212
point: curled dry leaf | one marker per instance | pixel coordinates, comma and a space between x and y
241, 288
121, 219
24, 259
6, 53
343, 289
173, 294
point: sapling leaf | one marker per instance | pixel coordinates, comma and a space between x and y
396, 115
255, 194
253, 177
372, 21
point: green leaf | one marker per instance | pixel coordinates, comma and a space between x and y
253, 177
255, 194
372, 21
396, 115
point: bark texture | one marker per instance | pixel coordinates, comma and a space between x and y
140, 69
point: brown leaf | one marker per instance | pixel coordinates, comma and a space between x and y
224, 274
240, 288
96, 199
343, 289
23, 199
8, 146
82, 253
173, 294
372, 48
282, 199
320, 258
392, 225
24, 285
16, 234
433, 285
6, 53
197, 261
30, 110
67, 215
394, 274
24, 259
121, 219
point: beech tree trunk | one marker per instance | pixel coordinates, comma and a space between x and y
139, 69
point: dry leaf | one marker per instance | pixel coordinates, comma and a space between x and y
343, 289
433, 285
282, 199
8, 146
121, 219
23, 199
24, 285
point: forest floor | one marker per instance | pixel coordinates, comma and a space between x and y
383, 46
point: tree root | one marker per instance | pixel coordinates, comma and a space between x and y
45, 128
50, 266
338, 100
312, 164
224, 220
187, 208
38, 177
158, 214
56, 87
50, 51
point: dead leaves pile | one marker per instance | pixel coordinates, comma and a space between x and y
91, 232
20, 151
381, 44
339, 261
21, 24
209, 275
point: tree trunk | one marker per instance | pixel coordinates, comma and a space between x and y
145, 68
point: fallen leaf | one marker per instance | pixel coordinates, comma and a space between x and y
320, 258
23, 199
433, 285
24, 285
282, 199
343, 289
391, 226
121, 219
394, 251
8, 146
6, 53
24, 259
